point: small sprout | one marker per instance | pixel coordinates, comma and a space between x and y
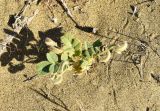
71, 46
64, 57
52, 68
52, 57
41, 67
120, 48
75, 55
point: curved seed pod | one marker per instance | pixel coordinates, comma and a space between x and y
107, 57
57, 79
49, 42
56, 50
53, 46
120, 48
63, 67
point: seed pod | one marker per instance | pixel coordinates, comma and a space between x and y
57, 79
52, 46
107, 57
49, 42
120, 48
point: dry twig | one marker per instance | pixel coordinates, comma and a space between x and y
20, 22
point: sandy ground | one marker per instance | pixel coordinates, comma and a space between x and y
120, 85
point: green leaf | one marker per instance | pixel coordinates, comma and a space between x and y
64, 56
85, 45
66, 48
75, 42
69, 36
52, 57
41, 67
85, 65
52, 68
91, 51
86, 54
45, 70
69, 51
97, 43
97, 49
78, 47
56, 67
67, 40
78, 53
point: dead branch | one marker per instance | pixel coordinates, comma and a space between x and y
20, 21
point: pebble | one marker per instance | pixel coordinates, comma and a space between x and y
95, 30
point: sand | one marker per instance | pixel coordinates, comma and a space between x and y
119, 85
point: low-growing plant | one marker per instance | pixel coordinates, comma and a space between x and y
74, 55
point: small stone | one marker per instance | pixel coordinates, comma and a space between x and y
95, 30
55, 20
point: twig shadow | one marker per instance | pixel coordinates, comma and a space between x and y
59, 104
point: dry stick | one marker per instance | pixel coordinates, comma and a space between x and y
69, 14
9, 38
140, 3
141, 67
66, 9
141, 70
23, 10
19, 16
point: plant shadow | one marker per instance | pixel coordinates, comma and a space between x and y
25, 48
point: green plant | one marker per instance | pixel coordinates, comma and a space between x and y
74, 55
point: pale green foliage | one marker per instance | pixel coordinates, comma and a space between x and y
73, 55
